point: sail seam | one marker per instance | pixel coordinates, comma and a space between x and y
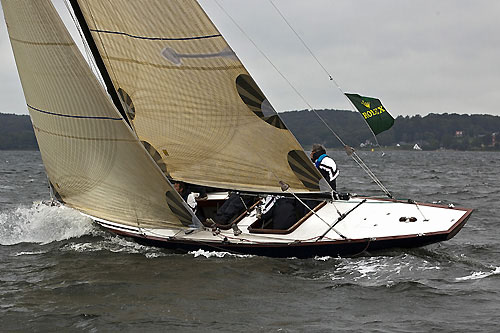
41, 43
72, 116
195, 68
81, 137
153, 38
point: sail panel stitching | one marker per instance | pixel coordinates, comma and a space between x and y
81, 137
41, 43
194, 68
153, 38
72, 116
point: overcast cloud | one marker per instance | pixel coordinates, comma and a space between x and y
418, 57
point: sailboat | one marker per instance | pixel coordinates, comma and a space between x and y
173, 102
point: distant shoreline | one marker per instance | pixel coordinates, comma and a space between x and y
433, 132
24, 149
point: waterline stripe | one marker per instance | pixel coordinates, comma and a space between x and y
71, 116
153, 38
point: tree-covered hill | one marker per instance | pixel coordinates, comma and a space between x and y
434, 131
16, 133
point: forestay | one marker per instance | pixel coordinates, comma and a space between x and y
191, 101
92, 158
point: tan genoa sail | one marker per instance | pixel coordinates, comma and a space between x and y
191, 100
93, 160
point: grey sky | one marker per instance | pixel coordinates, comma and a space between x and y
418, 57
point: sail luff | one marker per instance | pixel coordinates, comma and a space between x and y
97, 58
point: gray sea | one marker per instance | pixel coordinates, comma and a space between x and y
60, 273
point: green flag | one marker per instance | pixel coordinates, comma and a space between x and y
373, 111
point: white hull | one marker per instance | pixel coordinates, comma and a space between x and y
368, 224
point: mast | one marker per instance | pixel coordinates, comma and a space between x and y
99, 62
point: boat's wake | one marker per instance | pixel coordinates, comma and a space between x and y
430, 267
42, 224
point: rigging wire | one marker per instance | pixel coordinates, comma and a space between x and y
277, 70
330, 227
355, 156
286, 188
305, 45
320, 64
350, 151
418, 208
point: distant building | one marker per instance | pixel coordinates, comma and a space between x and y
367, 143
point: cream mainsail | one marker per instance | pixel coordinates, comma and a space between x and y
191, 101
94, 161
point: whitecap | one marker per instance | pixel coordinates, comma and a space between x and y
379, 270
479, 275
114, 244
42, 224
28, 253
217, 254
154, 255
325, 258
82, 247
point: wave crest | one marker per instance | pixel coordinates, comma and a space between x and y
217, 254
42, 224
479, 275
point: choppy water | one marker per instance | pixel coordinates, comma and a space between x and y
58, 272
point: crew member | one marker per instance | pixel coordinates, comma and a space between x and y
325, 164
234, 206
188, 196
281, 213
